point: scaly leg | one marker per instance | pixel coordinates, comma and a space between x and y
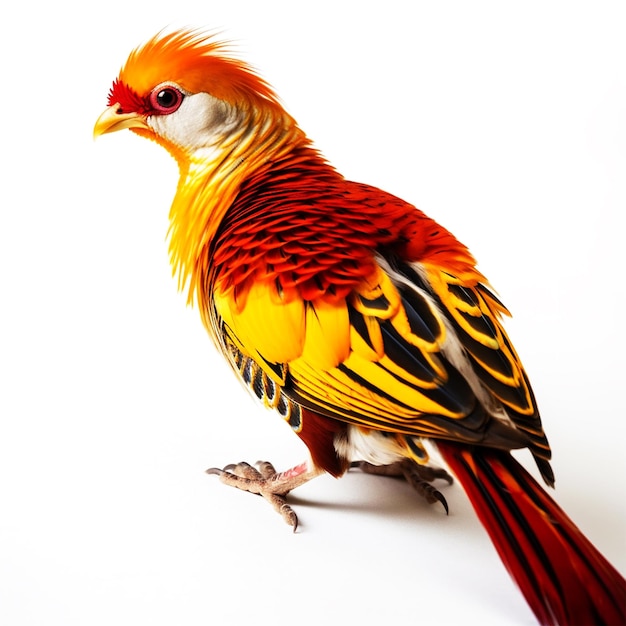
268, 483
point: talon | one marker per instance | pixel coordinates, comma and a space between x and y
440, 497
289, 515
266, 469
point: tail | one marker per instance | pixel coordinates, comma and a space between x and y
564, 579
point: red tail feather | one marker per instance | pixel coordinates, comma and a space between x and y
562, 575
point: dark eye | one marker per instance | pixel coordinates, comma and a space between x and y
166, 99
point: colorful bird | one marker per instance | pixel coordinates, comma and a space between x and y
362, 321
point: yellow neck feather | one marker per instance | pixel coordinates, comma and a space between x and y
209, 182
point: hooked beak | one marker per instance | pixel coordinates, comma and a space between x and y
112, 119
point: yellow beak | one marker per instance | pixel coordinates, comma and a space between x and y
112, 120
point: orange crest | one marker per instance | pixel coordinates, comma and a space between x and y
198, 63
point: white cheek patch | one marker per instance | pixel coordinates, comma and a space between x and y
200, 121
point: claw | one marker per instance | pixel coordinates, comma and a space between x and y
437, 495
289, 515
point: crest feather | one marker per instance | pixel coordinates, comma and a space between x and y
198, 62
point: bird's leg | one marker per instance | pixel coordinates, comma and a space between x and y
418, 476
268, 483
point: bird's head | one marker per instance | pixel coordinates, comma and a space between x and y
183, 90
221, 122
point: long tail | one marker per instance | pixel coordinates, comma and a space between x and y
563, 577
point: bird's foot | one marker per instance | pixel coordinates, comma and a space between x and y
265, 481
418, 476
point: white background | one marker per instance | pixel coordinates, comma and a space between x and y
507, 125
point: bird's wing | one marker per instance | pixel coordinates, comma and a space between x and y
412, 350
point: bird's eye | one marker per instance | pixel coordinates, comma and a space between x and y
165, 99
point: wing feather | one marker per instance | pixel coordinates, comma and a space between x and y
414, 350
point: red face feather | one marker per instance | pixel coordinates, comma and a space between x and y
127, 99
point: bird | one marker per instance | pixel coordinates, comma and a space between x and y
361, 321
